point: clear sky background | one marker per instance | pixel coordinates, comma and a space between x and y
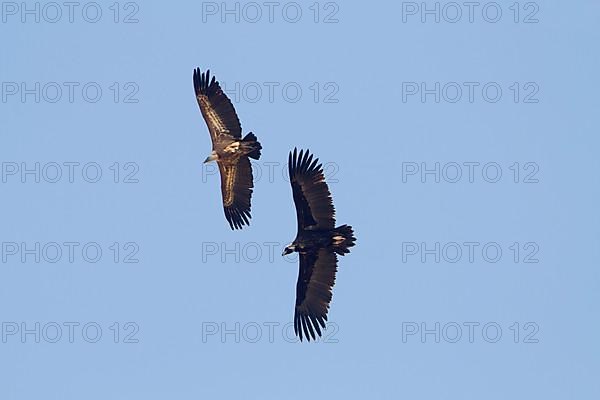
193, 314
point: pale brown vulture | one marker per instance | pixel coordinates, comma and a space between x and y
229, 150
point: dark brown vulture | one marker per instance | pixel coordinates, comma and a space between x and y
229, 150
318, 241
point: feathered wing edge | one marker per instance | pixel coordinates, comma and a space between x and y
314, 293
218, 111
312, 198
236, 189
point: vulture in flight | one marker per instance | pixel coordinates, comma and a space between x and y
318, 241
229, 150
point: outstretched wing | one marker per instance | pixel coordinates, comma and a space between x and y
314, 207
236, 187
313, 292
216, 108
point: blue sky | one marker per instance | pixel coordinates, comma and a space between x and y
461, 150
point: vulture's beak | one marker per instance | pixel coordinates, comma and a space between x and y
287, 250
212, 157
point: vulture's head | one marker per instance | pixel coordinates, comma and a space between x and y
213, 157
289, 249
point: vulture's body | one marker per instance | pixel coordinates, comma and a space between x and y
318, 242
229, 149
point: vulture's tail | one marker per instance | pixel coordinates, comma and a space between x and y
343, 238
251, 142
